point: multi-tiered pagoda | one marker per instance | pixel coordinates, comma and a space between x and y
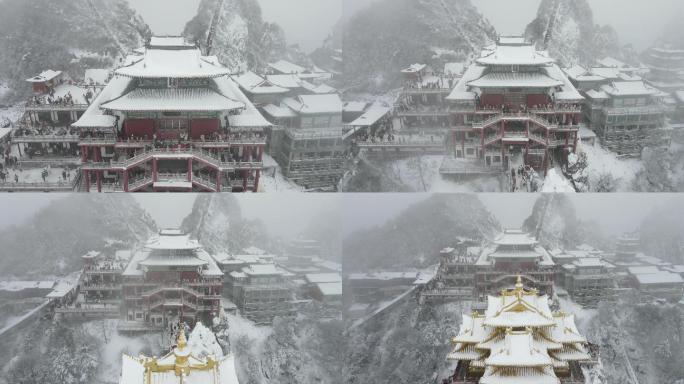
514, 106
514, 253
172, 279
171, 120
519, 340
180, 366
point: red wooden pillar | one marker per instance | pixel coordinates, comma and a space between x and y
503, 148
574, 147
463, 136
155, 175
84, 154
261, 154
190, 170
256, 180
218, 180
482, 145
86, 175
99, 181
125, 180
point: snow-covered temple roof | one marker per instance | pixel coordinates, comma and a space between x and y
285, 81
262, 270
515, 79
180, 366
323, 277
519, 351
315, 104
286, 67
643, 269
255, 84
629, 88
518, 308
169, 42
518, 340
172, 241
165, 59
279, 112
515, 237
513, 40
95, 121
371, 116
330, 289
548, 75
661, 277
172, 248
414, 68
514, 55
172, 99
45, 76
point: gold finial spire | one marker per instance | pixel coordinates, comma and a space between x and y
182, 342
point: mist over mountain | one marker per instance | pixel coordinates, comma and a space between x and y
567, 29
390, 35
415, 237
217, 222
662, 233
555, 223
243, 40
409, 344
68, 35
54, 240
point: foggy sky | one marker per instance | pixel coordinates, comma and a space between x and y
285, 215
609, 210
309, 22
306, 22
636, 22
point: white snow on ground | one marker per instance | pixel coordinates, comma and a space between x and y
273, 180
555, 182
113, 346
422, 175
203, 343
238, 326
582, 315
34, 175
602, 161
10, 114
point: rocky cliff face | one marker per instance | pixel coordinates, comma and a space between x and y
242, 39
555, 223
55, 239
69, 35
566, 28
392, 34
415, 237
409, 344
216, 220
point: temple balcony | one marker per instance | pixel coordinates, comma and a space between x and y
138, 144
103, 271
524, 117
88, 309
101, 287
540, 110
27, 139
653, 109
10, 186
425, 112
208, 158
34, 107
425, 91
